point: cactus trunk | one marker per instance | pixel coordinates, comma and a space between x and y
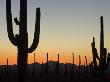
21, 66
101, 63
34, 64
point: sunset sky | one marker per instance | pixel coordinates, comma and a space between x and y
67, 26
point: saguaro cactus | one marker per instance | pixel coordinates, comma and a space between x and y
7, 67
47, 66
58, 64
21, 40
101, 42
47, 58
79, 66
57, 67
95, 54
86, 60
73, 58
58, 58
86, 68
72, 67
103, 60
79, 62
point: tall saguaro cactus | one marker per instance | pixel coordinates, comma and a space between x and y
104, 59
21, 40
103, 51
101, 41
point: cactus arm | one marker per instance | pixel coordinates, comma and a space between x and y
9, 22
97, 54
16, 21
36, 33
94, 50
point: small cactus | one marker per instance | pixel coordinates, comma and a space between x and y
57, 67
86, 60
45, 66
73, 58
79, 63
79, 66
7, 67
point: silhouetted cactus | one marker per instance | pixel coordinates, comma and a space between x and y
79, 66
79, 63
86, 60
58, 64
7, 67
57, 67
103, 60
58, 58
101, 43
95, 54
103, 51
86, 67
72, 67
47, 58
21, 40
41, 68
73, 58
34, 64
84, 64
45, 67
91, 67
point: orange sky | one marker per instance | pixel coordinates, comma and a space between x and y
41, 57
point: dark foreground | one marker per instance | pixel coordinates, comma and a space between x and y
32, 77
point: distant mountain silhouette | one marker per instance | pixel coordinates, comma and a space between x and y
51, 64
